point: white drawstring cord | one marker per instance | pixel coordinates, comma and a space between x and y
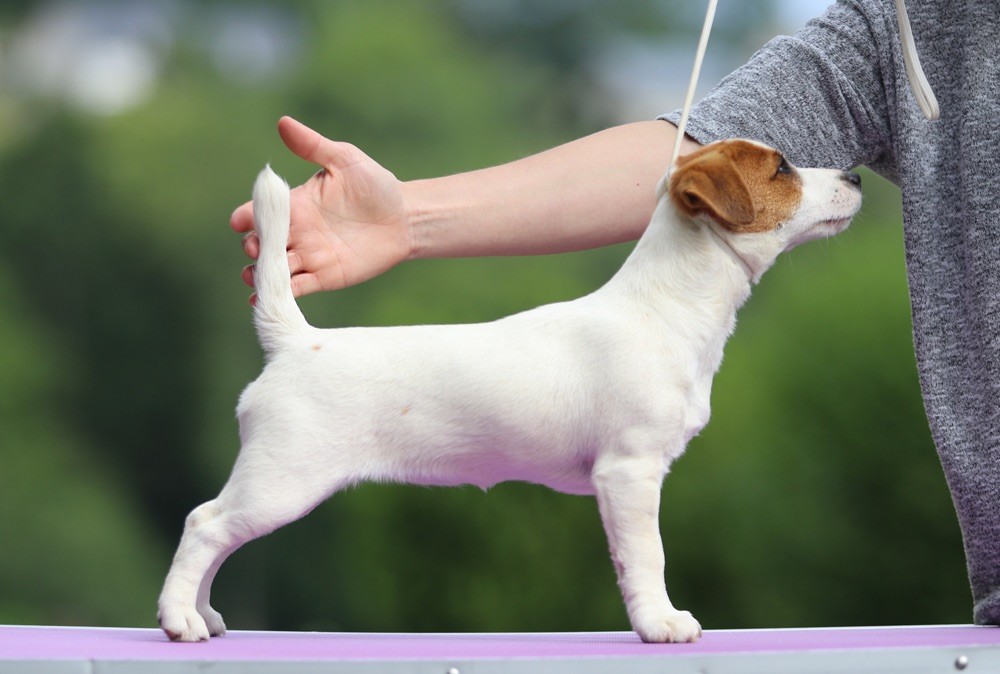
918, 81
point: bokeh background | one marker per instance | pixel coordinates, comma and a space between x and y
128, 133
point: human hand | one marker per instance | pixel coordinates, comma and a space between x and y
348, 222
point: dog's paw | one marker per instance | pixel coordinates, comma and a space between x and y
673, 627
184, 624
213, 620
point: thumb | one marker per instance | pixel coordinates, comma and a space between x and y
310, 145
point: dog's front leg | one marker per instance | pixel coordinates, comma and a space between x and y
628, 495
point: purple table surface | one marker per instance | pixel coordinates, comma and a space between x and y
115, 644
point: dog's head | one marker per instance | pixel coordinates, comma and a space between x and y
757, 202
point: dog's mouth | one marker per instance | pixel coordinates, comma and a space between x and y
837, 224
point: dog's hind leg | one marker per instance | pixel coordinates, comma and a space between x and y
256, 500
206, 542
628, 495
213, 619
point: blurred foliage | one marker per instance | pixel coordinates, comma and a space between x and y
813, 498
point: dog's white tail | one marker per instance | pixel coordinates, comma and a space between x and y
276, 314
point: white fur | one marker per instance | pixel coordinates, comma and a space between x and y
594, 396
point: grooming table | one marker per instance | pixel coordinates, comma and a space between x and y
65, 650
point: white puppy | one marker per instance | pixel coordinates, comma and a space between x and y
594, 396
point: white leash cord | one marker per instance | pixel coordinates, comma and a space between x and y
699, 56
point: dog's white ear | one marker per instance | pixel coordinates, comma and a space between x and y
709, 184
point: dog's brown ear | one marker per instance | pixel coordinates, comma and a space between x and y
709, 183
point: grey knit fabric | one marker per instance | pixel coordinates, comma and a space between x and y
836, 95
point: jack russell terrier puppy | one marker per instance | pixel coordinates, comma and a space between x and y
594, 396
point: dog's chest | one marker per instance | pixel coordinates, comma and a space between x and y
683, 366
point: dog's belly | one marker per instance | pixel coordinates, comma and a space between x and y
446, 434
467, 415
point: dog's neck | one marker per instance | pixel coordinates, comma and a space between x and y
721, 239
681, 263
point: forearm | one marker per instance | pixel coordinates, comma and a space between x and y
587, 193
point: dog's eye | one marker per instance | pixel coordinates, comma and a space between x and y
784, 168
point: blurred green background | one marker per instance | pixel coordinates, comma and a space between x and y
128, 133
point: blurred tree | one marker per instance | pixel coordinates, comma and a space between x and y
124, 320
73, 547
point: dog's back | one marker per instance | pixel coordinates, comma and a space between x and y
276, 314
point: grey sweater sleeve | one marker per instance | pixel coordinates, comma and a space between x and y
820, 97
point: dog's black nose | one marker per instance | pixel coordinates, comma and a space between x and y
851, 177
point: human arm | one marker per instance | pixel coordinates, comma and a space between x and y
354, 219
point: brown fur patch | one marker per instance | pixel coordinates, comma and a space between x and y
739, 184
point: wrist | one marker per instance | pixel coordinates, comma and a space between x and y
430, 214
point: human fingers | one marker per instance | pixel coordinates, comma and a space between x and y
305, 284
313, 146
242, 218
295, 266
251, 245
295, 263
